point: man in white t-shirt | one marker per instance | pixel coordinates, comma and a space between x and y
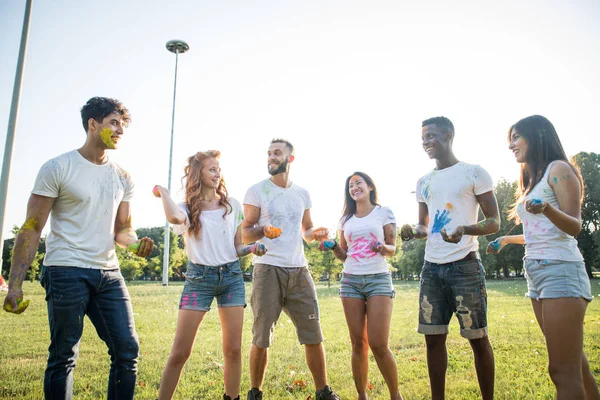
88, 199
277, 214
453, 278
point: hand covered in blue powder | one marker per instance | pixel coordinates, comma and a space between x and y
455, 236
440, 220
327, 245
535, 206
495, 246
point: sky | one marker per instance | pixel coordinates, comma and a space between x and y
347, 82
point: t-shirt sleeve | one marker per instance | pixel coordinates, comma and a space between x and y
418, 191
49, 179
252, 197
388, 216
129, 187
482, 181
180, 229
238, 212
307, 201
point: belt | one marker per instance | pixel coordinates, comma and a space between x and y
472, 256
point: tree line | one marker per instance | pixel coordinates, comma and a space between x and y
405, 264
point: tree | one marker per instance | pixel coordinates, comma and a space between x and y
589, 165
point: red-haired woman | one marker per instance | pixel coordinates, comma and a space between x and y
210, 222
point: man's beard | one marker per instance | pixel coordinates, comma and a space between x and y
281, 168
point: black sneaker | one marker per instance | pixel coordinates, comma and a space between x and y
225, 397
254, 394
326, 394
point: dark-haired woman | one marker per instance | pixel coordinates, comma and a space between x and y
367, 233
549, 207
210, 221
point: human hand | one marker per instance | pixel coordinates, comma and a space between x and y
14, 303
495, 246
142, 248
327, 245
455, 236
271, 232
320, 234
535, 206
258, 249
157, 190
407, 232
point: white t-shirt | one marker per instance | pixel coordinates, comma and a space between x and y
215, 244
450, 197
359, 232
543, 239
82, 220
282, 208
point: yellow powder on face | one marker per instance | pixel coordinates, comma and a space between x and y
106, 137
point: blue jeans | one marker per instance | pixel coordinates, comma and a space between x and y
453, 288
72, 293
365, 286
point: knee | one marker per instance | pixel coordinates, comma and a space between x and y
360, 346
379, 349
232, 352
435, 342
179, 356
563, 374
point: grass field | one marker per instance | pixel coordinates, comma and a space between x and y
521, 357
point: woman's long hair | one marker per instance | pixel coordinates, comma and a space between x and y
350, 203
543, 147
193, 187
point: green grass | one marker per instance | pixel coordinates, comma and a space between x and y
521, 357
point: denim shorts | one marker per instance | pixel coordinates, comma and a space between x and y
203, 283
453, 288
551, 279
365, 286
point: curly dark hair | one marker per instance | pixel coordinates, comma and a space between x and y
100, 107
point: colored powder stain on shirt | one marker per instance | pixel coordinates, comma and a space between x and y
106, 137
449, 207
440, 221
426, 192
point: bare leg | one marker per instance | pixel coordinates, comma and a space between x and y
379, 316
315, 358
188, 322
232, 320
437, 364
484, 365
356, 318
259, 358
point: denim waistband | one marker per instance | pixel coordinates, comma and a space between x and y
466, 259
228, 265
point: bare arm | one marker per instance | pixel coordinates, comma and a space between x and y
567, 188
389, 248
27, 241
309, 233
243, 249
172, 212
250, 231
496, 246
125, 235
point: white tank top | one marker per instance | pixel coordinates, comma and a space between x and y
543, 240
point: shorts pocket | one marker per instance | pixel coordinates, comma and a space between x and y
195, 272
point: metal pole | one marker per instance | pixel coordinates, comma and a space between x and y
165, 278
12, 123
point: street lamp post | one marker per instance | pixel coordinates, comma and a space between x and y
12, 123
177, 47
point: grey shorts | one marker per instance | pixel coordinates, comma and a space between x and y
289, 289
551, 279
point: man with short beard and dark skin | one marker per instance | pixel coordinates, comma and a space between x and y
277, 214
453, 278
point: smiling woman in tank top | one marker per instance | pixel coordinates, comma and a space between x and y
548, 205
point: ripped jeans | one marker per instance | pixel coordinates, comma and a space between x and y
453, 288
